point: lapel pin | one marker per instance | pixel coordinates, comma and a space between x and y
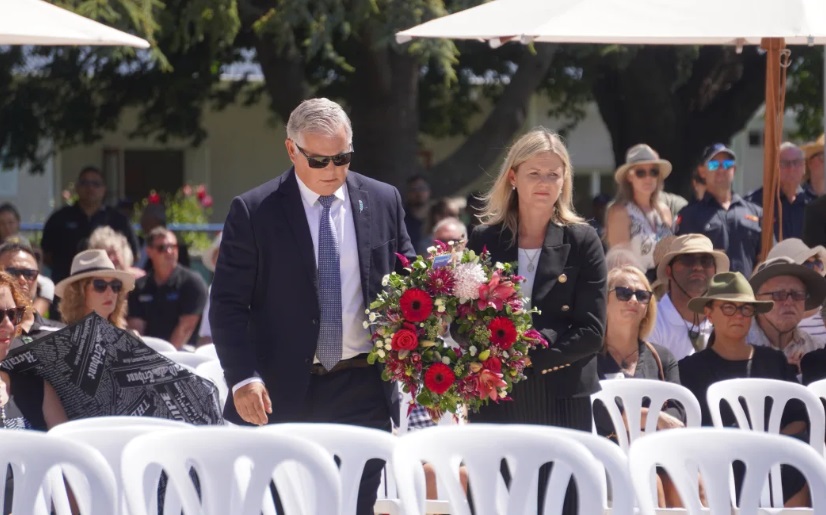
563, 278
361, 206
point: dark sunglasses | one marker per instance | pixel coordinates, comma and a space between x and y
100, 285
725, 164
729, 309
166, 246
322, 161
814, 264
28, 273
90, 184
692, 260
782, 295
624, 294
15, 315
642, 173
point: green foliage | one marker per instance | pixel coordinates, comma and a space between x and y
804, 93
185, 206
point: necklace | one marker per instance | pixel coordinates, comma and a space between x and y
623, 363
531, 267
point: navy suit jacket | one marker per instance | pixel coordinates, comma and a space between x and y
264, 307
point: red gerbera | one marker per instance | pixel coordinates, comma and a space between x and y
416, 305
438, 378
440, 282
502, 332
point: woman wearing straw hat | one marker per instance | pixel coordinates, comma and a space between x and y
94, 285
730, 305
638, 218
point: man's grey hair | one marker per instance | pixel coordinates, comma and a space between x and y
445, 222
788, 144
318, 116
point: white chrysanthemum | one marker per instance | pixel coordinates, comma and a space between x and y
468, 276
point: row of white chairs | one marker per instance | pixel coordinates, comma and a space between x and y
113, 466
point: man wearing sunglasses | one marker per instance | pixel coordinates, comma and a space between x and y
793, 196
731, 222
17, 260
68, 228
301, 257
794, 289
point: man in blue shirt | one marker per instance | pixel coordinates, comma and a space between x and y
731, 222
793, 197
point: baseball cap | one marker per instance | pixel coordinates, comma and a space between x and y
711, 150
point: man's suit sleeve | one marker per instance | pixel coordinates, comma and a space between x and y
232, 293
405, 246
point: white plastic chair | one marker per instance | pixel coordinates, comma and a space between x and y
212, 370
37, 461
114, 422
353, 446
207, 350
189, 359
109, 440
218, 454
481, 448
158, 344
819, 388
689, 453
632, 393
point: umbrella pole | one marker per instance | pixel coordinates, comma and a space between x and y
777, 60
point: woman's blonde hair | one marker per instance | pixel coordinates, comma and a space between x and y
501, 203
625, 193
20, 298
105, 237
650, 318
72, 305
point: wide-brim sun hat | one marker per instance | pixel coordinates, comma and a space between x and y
94, 263
729, 287
797, 251
642, 154
690, 244
812, 148
814, 282
209, 254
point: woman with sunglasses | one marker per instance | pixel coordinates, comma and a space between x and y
730, 304
638, 219
26, 401
94, 285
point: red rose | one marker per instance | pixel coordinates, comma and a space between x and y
154, 198
439, 378
502, 332
416, 305
404, 340
207, 201
200, 192
493, 364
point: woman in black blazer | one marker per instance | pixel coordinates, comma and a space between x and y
529, 219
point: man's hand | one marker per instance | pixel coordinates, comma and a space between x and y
252, 402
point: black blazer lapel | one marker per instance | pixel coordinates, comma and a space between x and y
296, 218
552, 261
360, 204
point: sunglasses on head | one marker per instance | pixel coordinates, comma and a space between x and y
624, 294
782, 295
322, 161
15, 315
725, 164
28, 273
642, 173
692, 260
99, 285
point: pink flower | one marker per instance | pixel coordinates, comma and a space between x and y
489, 384
535, 337
207, 201
186, 190
495, 293
440, 282
403, 260
200, 192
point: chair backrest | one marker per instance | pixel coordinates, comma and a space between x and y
217, 454
189, 359
158, 344
116, 421
819, 388
481, 449
34, 456
708, 452
353, 446
632, 393
207, 350
213, 371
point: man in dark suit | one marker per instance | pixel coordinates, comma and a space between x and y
302, 256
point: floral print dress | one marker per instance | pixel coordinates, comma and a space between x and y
646, 231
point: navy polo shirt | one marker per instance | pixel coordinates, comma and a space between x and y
161, 305
66, 233
793, 212
736, 230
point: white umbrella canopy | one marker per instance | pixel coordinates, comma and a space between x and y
35, 22
649, 22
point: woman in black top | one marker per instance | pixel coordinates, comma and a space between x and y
730, 305
529, 219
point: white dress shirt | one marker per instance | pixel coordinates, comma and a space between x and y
355, 338
671, 330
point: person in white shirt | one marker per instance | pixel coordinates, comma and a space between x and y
685, 269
